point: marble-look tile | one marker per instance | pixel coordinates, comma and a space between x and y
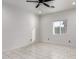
41, 51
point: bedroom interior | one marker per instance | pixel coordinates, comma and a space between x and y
39, 29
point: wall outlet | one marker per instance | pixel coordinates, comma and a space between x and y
30, 39
48, 38
69, 41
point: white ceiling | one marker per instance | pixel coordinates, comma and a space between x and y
60, 5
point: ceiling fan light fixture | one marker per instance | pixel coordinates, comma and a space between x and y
73, 3
40, 12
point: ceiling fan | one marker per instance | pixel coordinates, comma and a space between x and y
43, 2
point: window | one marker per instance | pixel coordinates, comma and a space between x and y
58, 27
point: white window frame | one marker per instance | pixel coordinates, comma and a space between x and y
59, 24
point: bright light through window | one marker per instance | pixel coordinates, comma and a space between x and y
58, 27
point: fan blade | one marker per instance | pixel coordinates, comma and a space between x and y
46, 4
48, 0
37, 5
52, 0
31, 1
52, 6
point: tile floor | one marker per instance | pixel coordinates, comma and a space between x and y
41, 51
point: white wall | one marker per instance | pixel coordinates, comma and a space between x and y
18, 27
46, 28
